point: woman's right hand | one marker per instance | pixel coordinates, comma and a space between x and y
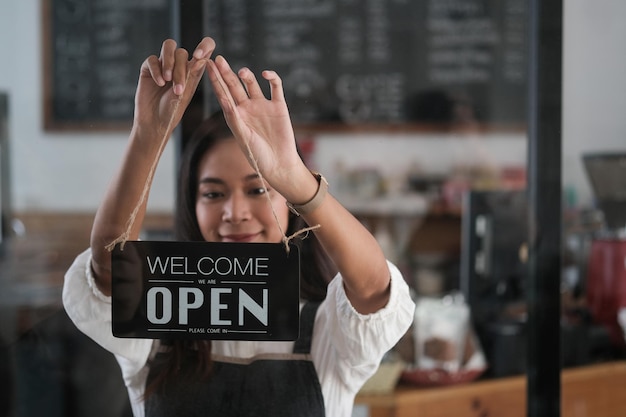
166, 85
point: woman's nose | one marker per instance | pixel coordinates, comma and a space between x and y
236, 208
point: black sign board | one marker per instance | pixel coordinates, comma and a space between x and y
93, 50
342, 62
203, 290
383, 61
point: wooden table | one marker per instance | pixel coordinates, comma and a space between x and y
590, 391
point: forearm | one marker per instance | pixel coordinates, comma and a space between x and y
120, 202
349, 244
353, 249
356, 254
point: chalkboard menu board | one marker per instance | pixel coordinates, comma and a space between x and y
382, 61
93, 50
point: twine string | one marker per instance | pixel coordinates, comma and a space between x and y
123, 238
285, 239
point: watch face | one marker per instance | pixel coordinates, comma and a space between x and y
206, 290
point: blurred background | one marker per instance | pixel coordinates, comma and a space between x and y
419, 125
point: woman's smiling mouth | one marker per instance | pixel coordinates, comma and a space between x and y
239, 237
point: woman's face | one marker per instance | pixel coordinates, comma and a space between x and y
231, 204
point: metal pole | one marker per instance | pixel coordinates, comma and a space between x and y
188, 32
544, 194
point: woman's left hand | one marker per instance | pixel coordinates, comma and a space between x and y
262, 126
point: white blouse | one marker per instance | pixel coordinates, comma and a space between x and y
346, 350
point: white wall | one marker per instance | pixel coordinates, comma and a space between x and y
69, 172
594, 77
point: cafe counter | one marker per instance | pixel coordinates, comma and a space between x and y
597, 390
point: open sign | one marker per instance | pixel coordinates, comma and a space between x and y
204, 290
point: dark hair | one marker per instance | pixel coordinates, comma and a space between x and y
316, 268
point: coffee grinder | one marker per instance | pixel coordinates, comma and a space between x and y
606, 267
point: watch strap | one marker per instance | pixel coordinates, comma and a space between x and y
312, 204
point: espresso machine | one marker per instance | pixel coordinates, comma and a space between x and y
606, 265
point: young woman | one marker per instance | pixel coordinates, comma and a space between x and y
355, 305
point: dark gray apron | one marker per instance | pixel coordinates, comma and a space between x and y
274, 385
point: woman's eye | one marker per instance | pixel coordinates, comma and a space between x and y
258, 191
211, 194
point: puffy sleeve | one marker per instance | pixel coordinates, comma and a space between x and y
358, 341
90, 310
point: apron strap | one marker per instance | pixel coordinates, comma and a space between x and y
307, 320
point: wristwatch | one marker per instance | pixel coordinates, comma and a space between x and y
312, 204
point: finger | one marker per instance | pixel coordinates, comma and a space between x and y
152, 67
220, 88
199, 59
231, 80
179, 78
204, 49
251, 84
167, 58
276, 85
196, 70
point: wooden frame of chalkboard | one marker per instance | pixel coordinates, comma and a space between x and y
92, 52
390, 64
